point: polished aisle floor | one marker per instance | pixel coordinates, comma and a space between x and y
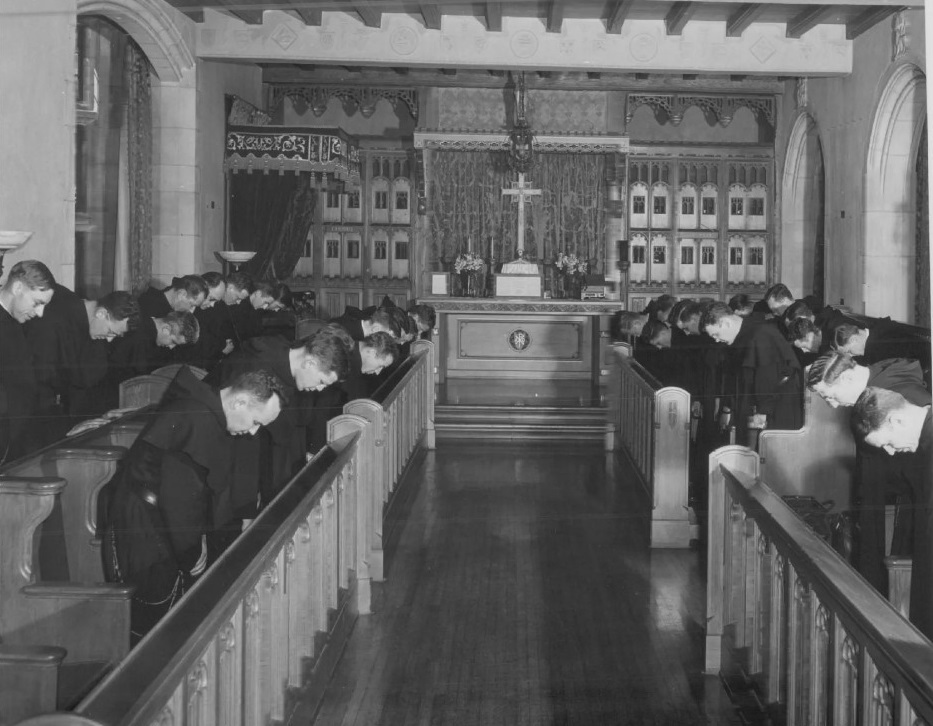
523, 592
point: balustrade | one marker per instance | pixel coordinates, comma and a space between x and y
259, 634
651, 424
786, 613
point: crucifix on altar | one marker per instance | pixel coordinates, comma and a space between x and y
521, 193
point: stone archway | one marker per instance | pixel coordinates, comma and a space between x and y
889, 224
154, 30
802, 211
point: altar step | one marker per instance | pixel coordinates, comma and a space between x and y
520, 423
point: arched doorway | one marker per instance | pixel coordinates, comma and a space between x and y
889, 250
136, 54
803, 250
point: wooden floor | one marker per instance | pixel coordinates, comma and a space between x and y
522, 591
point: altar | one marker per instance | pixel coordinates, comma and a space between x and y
523, 351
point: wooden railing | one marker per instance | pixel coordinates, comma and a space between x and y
256, 639
818, 643
651, 424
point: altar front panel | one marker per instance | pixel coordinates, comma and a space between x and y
519, 346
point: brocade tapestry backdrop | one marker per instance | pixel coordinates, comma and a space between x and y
466, 202
271, 214
139, 166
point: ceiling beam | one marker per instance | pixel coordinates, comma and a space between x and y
618, 12
494, 17
807, 20
308, 15
369, 14
555, 16
741, 18
249, 14
677, 17
431, 14
868, 18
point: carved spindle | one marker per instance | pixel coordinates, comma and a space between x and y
319, 605
331, 544
798, 654
199, 704
229, 672
776, 622
820, 623
300, 627
881, 711
846, 670
252, 665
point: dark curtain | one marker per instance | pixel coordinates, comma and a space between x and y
271, 214
922, 305
819, 250
139, 139
467, 203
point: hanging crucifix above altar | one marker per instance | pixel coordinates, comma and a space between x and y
521, 159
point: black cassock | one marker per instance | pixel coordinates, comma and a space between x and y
17, 389
267, 461
170, 489
215, 328
768, 377
69, 365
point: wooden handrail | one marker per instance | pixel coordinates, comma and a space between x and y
784, 607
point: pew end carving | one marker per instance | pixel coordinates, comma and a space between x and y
28, 681
90, 623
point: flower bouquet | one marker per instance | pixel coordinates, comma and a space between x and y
573, 273
468, 266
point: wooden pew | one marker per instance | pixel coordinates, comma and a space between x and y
89, 623
650, 424
817, 460
85, 470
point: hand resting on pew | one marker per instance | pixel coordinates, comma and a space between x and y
95, 423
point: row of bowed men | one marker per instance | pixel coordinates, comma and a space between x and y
746, 363
238, 421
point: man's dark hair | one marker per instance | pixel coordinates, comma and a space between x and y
827, 368
384, 317
183, 324
740, 302
240, 280
405, 323
800, 328
382, 344
266, 288
121, 305
690, 310
212, 279
652, 329
260, 386
678, 308
714, 314
32, 273
426, 313
844, 333
329, 349
780, 291
192, 285
797, 310
872, 409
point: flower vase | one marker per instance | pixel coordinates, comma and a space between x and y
572, 287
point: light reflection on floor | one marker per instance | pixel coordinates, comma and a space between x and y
517, 392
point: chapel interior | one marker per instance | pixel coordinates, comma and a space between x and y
698, 149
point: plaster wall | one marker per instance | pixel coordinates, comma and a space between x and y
865, 265
37, 130
215, 81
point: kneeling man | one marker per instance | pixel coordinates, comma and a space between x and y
173, 487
